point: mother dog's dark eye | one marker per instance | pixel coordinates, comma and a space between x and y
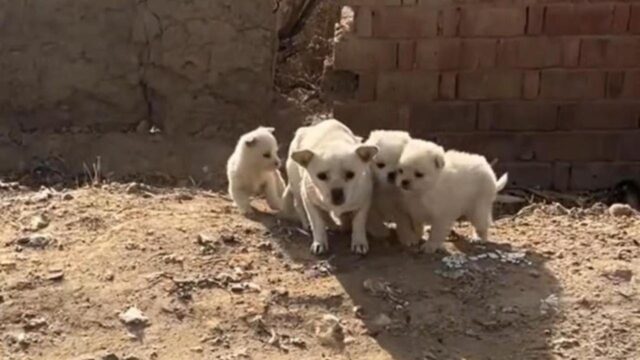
323, 176
419, 174
349, 175
266, 155
380, 165
399, 171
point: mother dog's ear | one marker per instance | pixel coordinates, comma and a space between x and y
303, 157
366, 152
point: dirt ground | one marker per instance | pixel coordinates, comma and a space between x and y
211, 284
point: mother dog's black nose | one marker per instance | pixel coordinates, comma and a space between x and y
405, 184
337, 196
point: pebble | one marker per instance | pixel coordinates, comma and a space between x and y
36, 241
39, 222
619, 210
330, 332
133, 316
382, 320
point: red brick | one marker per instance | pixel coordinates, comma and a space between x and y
404, 22
364, 117
598, 175
610, 52
492, 21
561, 176
448, 54
407, 55
634, 22
599, 115
535, 19
583, 18
366, 90
571, 52
407, 86
490, 84
427, 118
448, 21
621, 15
615, 84
527, 174
364, 21
355, 54
517, 116
531, 52
447, 89
531, 86
576, 146
572, 84
631, 85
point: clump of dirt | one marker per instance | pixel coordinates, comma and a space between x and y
138, 272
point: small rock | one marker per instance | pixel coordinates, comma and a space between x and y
566, 343
382, 320
109, 276
265, 246
67, 197
133, 316
620, 274
197, 349
35, 241
330, 332
38, 222
55, 274
35, 324
358, 311
42, 196
619, 210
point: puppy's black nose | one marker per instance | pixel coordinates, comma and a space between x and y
405, 184
337, 196
391, 177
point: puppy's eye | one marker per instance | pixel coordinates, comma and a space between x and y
323, 176
419, 174
266, 155
380, 165
349, 175
399, 171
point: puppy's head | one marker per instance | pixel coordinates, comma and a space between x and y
337, 174
420, 165
261, 148
390, 144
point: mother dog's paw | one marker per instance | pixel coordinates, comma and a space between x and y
318, 248
360, 247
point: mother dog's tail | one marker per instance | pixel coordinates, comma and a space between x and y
502, 182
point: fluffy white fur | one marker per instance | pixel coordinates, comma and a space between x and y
388, 202
252, 170
329, 176
448, 186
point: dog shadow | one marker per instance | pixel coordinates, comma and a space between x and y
476, 301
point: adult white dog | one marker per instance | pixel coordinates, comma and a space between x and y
329, 176
388, 203
252, 170
447, 186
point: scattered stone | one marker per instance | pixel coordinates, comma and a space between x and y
320, 269
197, 349
35, 241
55, 275
133, 316
208, 244
557, 209
35, 324
330, 332
566, 343
173, 259
619, 210
455, 261
382, 320
265, 246
549, 305
42, 196
38, 222
358, 311
620, 275
67, 197
109, 276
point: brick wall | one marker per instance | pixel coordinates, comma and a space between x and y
551, 88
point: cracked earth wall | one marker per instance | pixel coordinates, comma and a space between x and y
80, 79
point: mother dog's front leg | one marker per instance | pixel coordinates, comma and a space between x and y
320, 243
359, 243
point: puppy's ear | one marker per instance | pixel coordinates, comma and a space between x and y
366, 152
250, 141
439, 161
270, 129
303, 157
359, 138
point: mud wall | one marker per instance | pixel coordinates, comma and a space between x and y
74, 73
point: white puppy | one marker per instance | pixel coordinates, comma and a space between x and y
329, 176
447, 186
252, 169
389, 204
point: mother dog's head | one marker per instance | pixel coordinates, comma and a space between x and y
337, 174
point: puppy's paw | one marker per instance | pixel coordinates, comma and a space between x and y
430, 247
246, 210
318, 248
360, 247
